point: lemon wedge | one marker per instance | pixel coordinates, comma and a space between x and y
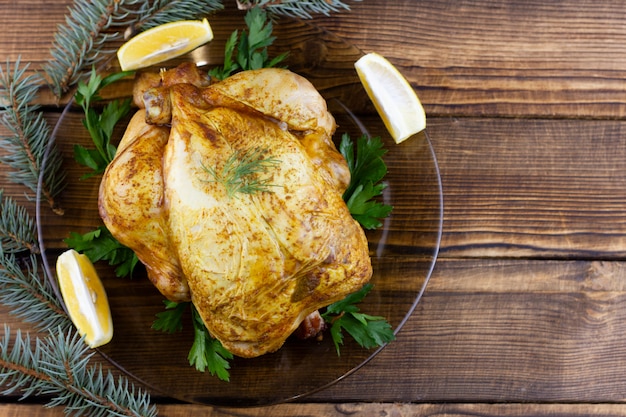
85, 297
392, 95
163, 42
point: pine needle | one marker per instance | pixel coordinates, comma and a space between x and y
58, 366
17, 228
297, 8
26, 142
93, 26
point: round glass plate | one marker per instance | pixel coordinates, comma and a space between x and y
403, 251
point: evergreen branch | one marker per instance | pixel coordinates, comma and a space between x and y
78, 44
91, 25
30, 297
17, 228
58, 366
304, 9
28, 135
157, 12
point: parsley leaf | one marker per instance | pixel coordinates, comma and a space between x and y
249, 51
170, 320
367, 169
206, 353
99, 245
368, 331
99, 125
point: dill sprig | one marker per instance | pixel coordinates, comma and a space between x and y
296, 8
27, 135
58, 366
241, 172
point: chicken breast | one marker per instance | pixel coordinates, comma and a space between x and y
252, 207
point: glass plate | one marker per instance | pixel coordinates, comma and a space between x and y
403, 251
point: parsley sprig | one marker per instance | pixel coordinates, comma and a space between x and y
206, 353
248, 51
368, 331
367, 169
100, 245
100, 125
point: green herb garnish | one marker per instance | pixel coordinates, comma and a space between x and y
100, 245
242, 172
368, 331
249, 51
99, 125
206, 353
367, 170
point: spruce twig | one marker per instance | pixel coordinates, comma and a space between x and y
28, 135
17, 228
58, 366
28, 296
154, 13
92, 26
296, 8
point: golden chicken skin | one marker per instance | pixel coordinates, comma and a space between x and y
237, 204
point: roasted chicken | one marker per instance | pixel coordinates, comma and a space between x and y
231, 195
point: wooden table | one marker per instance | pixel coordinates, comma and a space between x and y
525, 311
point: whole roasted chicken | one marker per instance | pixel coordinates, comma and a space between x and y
230, 193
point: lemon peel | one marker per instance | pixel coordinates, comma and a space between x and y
393, 97
163, 42
85, 298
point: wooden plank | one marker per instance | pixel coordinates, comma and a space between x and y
505, 330
360, 409
515, 187
515, 58
499, 330
532, 188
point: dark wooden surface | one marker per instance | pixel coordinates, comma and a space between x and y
525, 311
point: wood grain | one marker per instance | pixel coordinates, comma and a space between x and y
524, 314
361, 409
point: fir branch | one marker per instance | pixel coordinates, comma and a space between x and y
79, 43
304, 9
28, 134
17, 228
157, 12
30, 297
92, 26
58, 366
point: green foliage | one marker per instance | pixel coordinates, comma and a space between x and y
206, 352
26, 143
57, 366
28, 295
99, 125
368, 331
17, 228
367, 169
100, 245
90, 27
249, 51
298, 8
170, 320
242, 171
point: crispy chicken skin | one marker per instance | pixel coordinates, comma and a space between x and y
256, 264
